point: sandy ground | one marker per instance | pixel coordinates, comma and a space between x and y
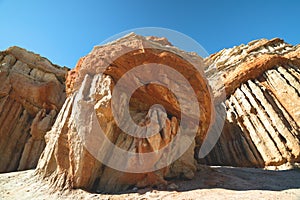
209, 183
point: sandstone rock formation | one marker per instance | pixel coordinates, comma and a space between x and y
262, 83
32, 92
68, 160
261, 107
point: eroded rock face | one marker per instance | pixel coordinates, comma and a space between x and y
31, 94
262, 83
68, 159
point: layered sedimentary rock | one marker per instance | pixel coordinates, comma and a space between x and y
32, 92
73, 144
262, 83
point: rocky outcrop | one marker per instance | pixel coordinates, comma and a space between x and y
78, 156
31, 94
262, 83
100, 140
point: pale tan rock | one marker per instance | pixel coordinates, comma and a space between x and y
262, 82
67, 162
31, 93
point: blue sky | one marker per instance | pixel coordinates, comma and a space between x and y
63, 31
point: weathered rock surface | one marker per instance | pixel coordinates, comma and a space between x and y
262, 83
32, 92
67, 163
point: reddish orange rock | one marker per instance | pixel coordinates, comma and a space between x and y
67, 160
31, 94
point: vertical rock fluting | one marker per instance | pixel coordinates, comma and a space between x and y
262, 83
31, 93
68, 160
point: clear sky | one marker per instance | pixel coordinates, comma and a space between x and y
63, 31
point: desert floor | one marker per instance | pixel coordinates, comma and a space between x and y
209, 183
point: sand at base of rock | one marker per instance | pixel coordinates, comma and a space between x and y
209, 183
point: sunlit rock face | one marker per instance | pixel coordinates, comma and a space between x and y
32, 91
70, 159
261, 110
262, 83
